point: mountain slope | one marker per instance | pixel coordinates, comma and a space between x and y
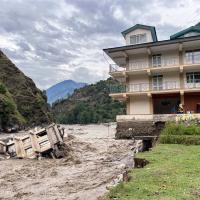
90, 104
62, 90
8, 109
30, 101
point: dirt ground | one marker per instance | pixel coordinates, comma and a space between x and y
95, 161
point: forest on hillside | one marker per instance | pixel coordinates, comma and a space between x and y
90, 104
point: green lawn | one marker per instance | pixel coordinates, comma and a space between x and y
173, 174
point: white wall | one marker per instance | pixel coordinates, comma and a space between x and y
138, 62
171, 77
139, 31
139, 105
139, 79
170, 58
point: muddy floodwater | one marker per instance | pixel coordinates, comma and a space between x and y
94, 163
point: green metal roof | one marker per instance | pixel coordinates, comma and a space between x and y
195, 28
137, 26
152, 44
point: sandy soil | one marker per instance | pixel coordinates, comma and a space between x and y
94, 162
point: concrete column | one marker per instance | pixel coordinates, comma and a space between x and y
181, 72
127, 63
151, 104
127, 81
128, 106
181, 77
180, 57
150, 61
182, 98
150, 83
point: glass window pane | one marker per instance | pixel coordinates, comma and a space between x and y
138, 39
133, 39
156, 60
143, 38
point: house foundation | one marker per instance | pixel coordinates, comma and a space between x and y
146, 127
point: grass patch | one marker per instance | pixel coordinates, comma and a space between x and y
180, 139
180, 133
173, 173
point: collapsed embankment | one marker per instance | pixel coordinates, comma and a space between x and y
131, 129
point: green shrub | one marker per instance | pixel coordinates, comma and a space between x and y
180, 139
180, 133
2, 89
172, 128
9, 114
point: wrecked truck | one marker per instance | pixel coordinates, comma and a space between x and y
45, 142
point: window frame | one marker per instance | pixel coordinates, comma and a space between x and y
157, 82
158, 60
137, 38
192, 56
190, 77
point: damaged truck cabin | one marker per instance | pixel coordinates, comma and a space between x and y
45, 142
157, 77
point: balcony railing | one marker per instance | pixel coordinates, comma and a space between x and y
192, 85
192, 58
138, 65
143, 64
117, 88
145, 87
189, 59
140, 87
115, 68
166, 62
169, 85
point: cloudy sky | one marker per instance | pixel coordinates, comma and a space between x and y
54, 40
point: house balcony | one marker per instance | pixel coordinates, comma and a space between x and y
191, 62
116, 70
144, 67
191, 87
165, 64
146, 88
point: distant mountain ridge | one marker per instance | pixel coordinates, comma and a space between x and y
62, 90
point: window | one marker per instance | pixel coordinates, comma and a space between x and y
157, 82
156, 60
192, 56
193, 77
138, 39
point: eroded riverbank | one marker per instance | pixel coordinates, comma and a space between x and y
95, 162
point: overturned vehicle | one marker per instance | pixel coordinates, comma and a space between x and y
46, 142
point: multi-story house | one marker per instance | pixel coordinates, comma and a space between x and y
157, 76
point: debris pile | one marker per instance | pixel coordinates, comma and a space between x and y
46, 142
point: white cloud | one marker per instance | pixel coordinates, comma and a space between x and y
51, 41
8, 42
